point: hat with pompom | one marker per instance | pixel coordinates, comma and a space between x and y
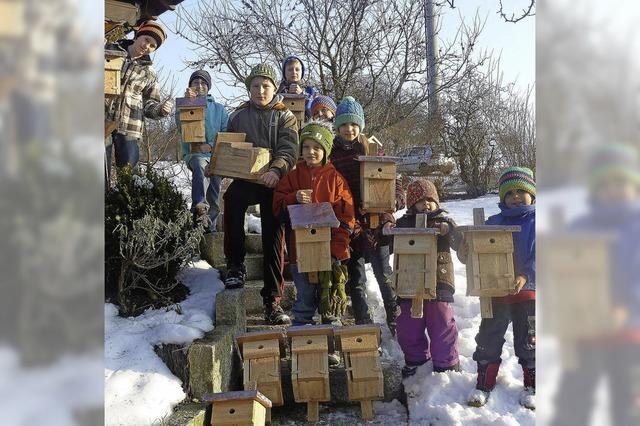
349, 111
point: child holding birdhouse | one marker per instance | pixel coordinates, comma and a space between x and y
348, 145
314, 172
140, 95
267, 124
204, 195
292, 82
437, 320
517, 190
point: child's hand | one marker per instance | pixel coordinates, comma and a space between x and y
189, 93
270, 179
303, 196
167, 106
519, 282
444, 228
295, 88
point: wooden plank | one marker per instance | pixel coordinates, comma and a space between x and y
249, 395
358, 330
365, 366
257, 336
359, 342
232, 137
189, 103
313, 411
120, 11
112, 82
191, 114
193, 131
261, 349
313, 257
366, 408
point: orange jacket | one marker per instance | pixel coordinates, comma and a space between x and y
328, 186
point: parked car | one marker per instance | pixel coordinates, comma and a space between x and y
420, 160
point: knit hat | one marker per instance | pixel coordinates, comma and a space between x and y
152, 29
349, 111
261, 70
203, 75
614, 160
516, 178
319, 132
322, 101
289, 59
421, 189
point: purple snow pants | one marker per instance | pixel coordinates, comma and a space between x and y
438, 322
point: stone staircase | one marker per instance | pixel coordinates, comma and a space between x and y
212, 364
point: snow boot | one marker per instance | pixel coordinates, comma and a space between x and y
528, 395
274, 314
235, 277
487, 375
454, 367
334, 359
410, 368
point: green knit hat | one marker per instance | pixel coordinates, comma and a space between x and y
516, 178
320, 133
261, 70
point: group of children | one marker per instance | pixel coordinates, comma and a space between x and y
312, 164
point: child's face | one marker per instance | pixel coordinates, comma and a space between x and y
324, 113
349, 131
261, 91
517, 198
426, 205
144, 45
616, 189
200, 86
312, 153
293, 71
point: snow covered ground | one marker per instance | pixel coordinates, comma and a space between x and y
139, 388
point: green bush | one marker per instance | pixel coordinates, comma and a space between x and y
149, 238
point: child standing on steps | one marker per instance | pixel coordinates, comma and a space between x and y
437, 315
517, 198
315, 172
267, 124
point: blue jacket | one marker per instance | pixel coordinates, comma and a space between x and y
216, 118
524, 242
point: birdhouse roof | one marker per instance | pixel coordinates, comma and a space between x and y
312, 215
490, 228
246, 395
410, 231
309, 330
293, 95
197, 102
377, 158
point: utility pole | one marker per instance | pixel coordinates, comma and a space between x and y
432, 70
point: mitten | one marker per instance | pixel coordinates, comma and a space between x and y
338, 288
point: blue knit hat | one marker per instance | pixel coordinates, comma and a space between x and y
349, 111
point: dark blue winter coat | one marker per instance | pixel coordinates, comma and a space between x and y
524, 242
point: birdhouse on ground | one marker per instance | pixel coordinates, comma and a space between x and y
192, 118
377, 185
415, 263
490, 261
310, 347
296, 104
359, 347
261, 352
576, 269
311, 224
248, 407
235, 158
113, 62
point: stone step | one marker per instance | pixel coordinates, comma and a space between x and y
253, 299
212, 247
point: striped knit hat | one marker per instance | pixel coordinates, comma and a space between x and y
516, 178
322, 101
152, 29
614, 160
349, 111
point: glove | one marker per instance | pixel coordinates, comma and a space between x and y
340, 276
325, 305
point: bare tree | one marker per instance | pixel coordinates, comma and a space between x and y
371, 49
526, 11
516, 135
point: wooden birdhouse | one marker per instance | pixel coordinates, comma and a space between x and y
359, 347
192, 118
312, 225
12, 19
261, 352
113, 61
415, 263
378, 184
490, 261
248, 407
310, 347
576, 268
296, 104
235, 158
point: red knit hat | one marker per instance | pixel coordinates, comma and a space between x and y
421, 189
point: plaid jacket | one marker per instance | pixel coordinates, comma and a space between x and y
140, 95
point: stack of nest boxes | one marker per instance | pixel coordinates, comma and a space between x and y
235, 158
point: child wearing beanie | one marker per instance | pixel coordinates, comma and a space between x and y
347, 146
517, 189
314, 172
323, 108
437, 320
292, 82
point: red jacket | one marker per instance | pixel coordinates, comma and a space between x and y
328, 186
